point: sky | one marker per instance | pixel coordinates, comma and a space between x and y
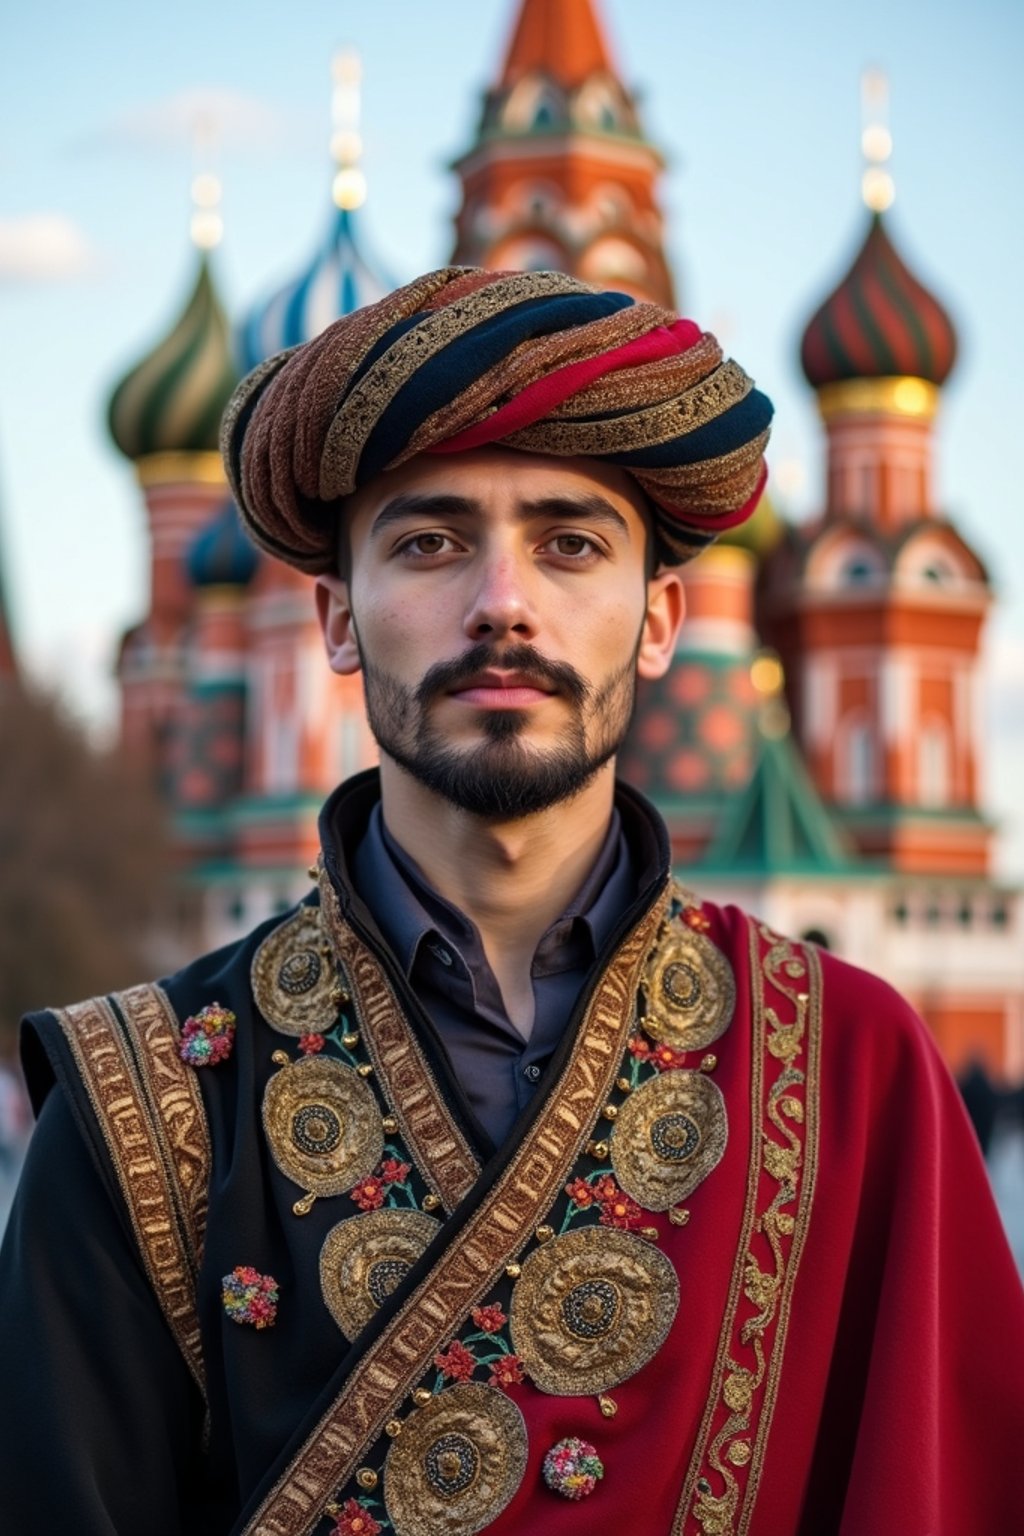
756, 108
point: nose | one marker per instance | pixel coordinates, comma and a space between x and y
501, 603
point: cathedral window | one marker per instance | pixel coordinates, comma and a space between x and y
856, 764
934, 764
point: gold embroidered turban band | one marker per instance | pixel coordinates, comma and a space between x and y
463, 358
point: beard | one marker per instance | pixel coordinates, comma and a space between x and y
502, 777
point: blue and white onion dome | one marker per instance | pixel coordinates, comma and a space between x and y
340, 278
222, 554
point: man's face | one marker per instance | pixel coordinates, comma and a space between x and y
498, 606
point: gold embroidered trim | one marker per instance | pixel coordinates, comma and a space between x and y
590, 1309
365, 1257
456, 1464
640, 429
438, 1147
724, 1474
464, 1275
148, 1178
178, 1113
668, 1136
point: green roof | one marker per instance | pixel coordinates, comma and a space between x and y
779, 825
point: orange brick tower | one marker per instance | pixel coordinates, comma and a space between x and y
877, 606
560, 175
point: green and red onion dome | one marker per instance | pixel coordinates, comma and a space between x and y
172, 401
879, 323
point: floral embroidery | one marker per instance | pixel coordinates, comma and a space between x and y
368, 1194
580, 1193
572, 1468
354, 1519
506, 1371
622, 1212
667, 1058
459, 1363
207, 1036
310, 1044
694, 918
393, 1172
490, 1319
250, 1297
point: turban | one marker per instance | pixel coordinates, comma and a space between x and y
463, 358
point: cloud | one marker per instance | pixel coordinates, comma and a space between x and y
208, 118
45, 247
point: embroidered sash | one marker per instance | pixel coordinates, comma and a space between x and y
480, 1246
722, 1482
150, 1112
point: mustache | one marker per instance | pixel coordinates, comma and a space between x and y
443, 676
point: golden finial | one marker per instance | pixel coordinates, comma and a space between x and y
349, 187
876, 184
767, 677
207, 225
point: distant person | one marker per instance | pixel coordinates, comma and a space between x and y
982, 1101
14, 1120
505, 1185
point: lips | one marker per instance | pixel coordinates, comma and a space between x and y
503, 682
494, 690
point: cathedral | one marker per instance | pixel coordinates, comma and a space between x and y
814, 749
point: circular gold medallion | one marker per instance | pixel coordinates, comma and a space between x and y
590, 1308
457, 1463
364, 1258
690, 990
294, 983
669, 1135
323, 1125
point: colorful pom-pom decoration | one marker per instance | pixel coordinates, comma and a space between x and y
572, 1468
207, 1036
250, 1297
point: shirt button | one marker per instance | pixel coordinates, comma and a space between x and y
441, 954
532, 1072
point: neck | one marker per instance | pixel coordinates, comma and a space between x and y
511, 878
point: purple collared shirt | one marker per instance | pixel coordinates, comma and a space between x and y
441, 954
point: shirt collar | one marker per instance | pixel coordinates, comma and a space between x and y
410, 911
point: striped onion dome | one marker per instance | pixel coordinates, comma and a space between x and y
172, 400
221, 554
339, 280
879, 323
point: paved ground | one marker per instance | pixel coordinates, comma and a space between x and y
1006, 1168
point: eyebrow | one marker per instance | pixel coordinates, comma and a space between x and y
589, 506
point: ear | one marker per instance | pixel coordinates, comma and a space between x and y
337, 624
666, 609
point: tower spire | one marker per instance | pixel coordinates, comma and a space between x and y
349, 188
560, 175
561, 38
877, 186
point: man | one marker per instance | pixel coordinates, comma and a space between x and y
504, 1175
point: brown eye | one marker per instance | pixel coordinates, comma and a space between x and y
572, 544
428, 543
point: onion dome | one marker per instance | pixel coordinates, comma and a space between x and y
340, 278
221, 554
173, 399
879, 323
